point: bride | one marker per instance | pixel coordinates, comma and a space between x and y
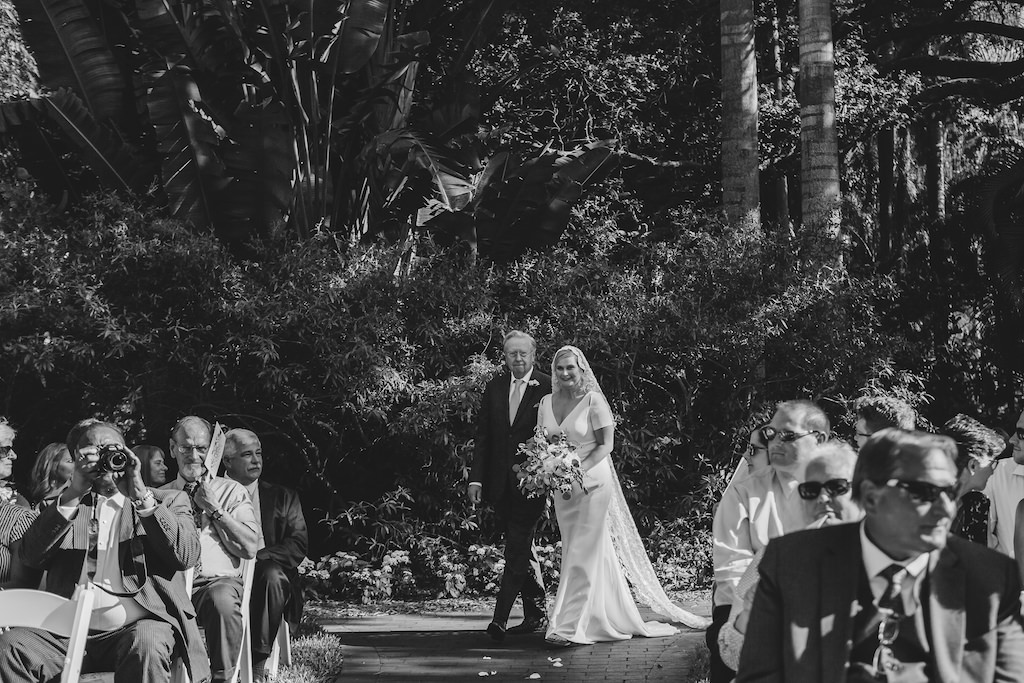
601, 546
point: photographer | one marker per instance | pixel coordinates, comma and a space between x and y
134, 544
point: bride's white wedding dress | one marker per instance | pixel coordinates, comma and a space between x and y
594, 602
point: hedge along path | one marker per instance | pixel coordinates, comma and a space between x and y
453, 647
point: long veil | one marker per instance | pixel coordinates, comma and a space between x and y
629, 546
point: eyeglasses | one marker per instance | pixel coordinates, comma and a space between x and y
1020, 433
5, 451
770, 433
863, 435
517, 354
809, 490
185, 450
753, 449
922, 491
885, 660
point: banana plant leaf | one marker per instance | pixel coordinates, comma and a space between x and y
191, 170
259, 160
116, 163
72, 51
356, 33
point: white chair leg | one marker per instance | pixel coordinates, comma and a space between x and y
281, 653
76, 645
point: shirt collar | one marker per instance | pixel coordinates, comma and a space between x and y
788, 484
525, 378
251, 488
876, 561
118, 499
1018, 470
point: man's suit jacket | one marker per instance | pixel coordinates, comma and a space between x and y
801, 623
284, 527
162, 545
497, 441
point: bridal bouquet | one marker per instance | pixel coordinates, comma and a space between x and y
550, 465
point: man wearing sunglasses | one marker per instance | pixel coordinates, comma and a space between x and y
760, 507
894, 598
1005, 488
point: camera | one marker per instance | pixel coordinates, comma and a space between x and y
111, 459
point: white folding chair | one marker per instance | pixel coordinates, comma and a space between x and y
281, 653
24, 608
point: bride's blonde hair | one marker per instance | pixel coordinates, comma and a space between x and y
588, 382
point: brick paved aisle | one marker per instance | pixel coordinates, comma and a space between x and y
453, 647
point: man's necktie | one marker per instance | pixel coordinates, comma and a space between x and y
197, 516
892, 598
513, 402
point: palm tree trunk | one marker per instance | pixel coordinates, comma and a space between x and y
740, 176
780, 183
819, 142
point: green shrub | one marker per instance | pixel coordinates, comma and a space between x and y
364, 385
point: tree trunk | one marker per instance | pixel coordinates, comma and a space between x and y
740, 177
886, 146
935, 170
780, 183
819, 144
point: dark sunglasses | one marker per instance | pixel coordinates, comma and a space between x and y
1020, 433
922, 491
5, 451
809, 490
769, 433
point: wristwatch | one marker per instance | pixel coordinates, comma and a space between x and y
143, 503
216, 514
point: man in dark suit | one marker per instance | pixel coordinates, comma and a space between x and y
895, 598
281, 549
508, 416
134, 544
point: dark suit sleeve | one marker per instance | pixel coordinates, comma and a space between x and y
42, 539
761, 657
171, 531
291, 547
484, 439
1009, 632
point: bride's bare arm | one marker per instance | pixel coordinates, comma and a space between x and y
605, 438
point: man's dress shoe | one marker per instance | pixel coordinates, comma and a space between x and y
496, 632
532, 625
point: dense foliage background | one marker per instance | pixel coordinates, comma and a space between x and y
359, 357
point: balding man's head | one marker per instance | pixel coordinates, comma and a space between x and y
243, 456
190, 441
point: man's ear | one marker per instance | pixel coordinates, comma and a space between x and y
821, 437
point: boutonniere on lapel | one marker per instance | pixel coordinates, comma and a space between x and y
855, 608
6, 495
533, 383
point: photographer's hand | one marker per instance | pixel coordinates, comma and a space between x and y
82, 477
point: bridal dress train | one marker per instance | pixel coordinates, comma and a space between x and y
601, 547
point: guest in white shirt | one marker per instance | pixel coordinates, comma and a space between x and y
228, 533
761, 507
1005, 488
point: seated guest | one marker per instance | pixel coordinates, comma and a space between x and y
1005, 490
14, 522
895, 597
134, 545
8, 494
50, 474
828, 494
282, 547
879, 412
977, 448
154, 466
228, 533
761, 507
